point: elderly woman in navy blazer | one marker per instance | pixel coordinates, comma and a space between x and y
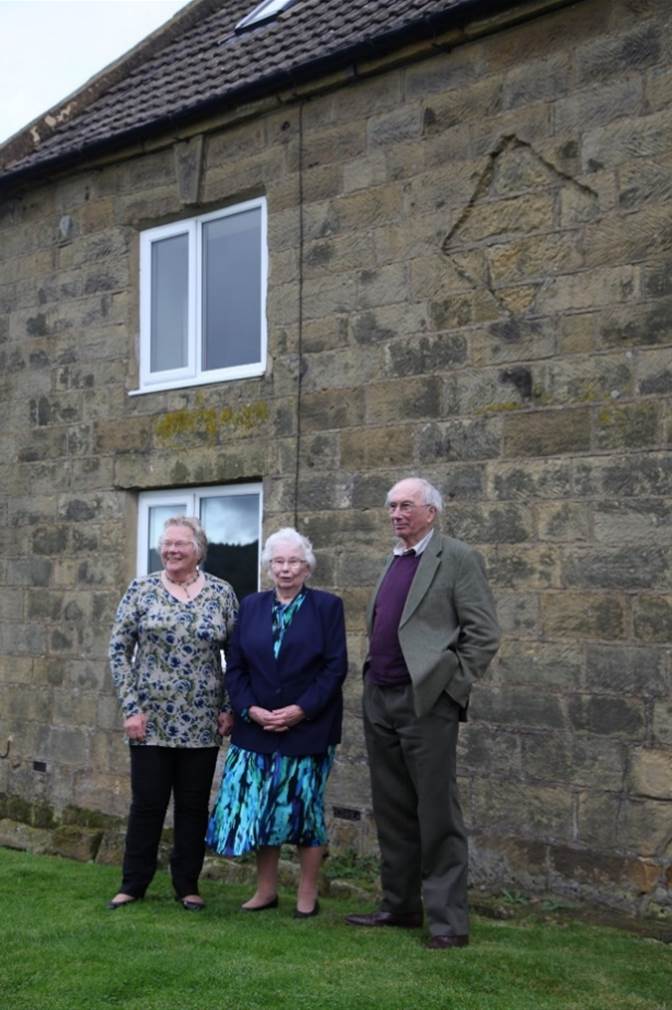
286, 666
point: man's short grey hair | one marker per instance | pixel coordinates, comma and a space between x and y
430, 494
288, 535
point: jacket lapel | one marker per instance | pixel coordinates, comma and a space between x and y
266, 626
429, 562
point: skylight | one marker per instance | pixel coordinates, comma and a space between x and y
262, 12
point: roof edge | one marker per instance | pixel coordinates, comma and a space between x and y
29, 138
479, 17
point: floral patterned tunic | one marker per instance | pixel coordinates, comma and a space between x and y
165, 659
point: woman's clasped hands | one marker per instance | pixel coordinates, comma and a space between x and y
279, 720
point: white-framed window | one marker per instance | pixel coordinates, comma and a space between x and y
231, 516
203, 298
262, 12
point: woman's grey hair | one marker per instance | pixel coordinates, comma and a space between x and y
288, 535
430, 495
199, 538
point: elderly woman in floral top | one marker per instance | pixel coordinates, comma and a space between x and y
165, 657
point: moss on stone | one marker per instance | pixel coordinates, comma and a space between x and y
210, 420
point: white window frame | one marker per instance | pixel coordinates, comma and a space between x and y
189, 497
192, 374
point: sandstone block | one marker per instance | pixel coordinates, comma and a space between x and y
651, 773
624, 476
540, 479
18, 835
637, 48
370, 209
74, 842
517, 706
403, 123
630, 426
384, 286
540, 812
645, 826
498, 524
565, 521
522, 567
583, 615
409, 399
581, 760
653, 618
608, 716
538, 433
654, 373
587, 289
458, 440
518, 613
599, 104
554, 666
367, 447
622, 568
637, 672
111, 849
640, 137
537, 80
662, 722
480, 748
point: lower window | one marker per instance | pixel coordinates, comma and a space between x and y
231, 517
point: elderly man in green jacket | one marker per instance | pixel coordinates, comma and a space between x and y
432, 632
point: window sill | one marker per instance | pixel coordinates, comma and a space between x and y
207, 379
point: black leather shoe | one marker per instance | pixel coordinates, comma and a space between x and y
445, 941
385, 919
113, 905
297, 914
273, 903
191, 906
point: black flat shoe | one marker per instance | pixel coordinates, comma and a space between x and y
191, 906
113, 905
296, 914
273, 903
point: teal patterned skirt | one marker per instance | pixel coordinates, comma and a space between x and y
269, 799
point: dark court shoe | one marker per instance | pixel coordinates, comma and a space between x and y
191, 906
273, 903
113, 905
297, 914
446, 941
385, 919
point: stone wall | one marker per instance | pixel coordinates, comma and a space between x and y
470, 278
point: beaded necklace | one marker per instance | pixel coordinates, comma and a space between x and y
183, 585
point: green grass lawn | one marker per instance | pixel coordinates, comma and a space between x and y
61, 950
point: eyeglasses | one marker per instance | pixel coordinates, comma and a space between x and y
287, 562
405, 507
181, 545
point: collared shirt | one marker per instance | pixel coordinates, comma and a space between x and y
417, 549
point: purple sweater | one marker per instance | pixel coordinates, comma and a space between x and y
387, 666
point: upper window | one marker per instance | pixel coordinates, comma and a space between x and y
203, 298
231, 518
262, 12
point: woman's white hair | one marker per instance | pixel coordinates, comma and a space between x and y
288, 535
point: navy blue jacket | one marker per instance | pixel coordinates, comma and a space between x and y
309, 672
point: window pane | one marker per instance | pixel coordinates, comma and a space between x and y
157, 517
170, 279
232, 526
232, 290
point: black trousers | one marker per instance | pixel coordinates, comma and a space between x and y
156, 772
422, 838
